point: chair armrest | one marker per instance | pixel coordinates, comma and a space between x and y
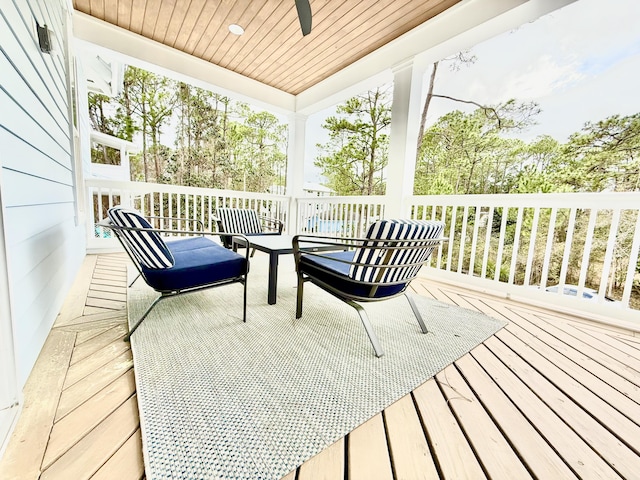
363, 242
106, 223
272, 223
352, 243
339, 243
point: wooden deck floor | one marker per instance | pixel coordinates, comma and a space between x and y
547, 397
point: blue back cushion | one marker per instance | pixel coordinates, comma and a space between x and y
239, 220
147, 247
413, 258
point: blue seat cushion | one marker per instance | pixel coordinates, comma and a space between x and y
198, 261
326, 269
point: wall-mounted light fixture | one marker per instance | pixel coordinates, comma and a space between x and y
44, 38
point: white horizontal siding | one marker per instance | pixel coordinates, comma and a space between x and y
21, 156
38, 74
34, 294
24, 126
23, 189
47, 235
44, 246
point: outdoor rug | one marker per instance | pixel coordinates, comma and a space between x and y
220, 399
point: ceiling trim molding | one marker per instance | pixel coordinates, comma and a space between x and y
140, 51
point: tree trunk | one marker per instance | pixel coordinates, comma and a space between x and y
425, 110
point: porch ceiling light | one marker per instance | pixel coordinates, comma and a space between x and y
236, 29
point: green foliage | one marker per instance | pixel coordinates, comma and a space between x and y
605, 155
218, 143
357, 152
465, 153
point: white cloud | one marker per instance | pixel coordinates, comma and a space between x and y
542, 78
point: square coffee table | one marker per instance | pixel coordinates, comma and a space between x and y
274, 245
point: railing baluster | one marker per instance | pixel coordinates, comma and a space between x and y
474, 241
516, 247
586, 252
452, 236
503, 228
633, 261
548, 248
532, 246
608, 256
463, 238
487, 242
567, 251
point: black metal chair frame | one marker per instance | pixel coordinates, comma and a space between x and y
384, 245
106, 223
272, 225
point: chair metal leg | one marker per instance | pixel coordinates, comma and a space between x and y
144, 315
244, 307
416, 312
367, 326
134, 280
299, 297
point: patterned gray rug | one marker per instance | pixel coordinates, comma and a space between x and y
226, 400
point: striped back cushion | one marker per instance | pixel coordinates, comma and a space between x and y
413, 258
239, 220
147, 247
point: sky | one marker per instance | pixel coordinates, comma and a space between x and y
580, 64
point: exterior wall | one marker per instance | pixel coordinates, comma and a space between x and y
43, 236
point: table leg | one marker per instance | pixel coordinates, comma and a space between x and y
273, 278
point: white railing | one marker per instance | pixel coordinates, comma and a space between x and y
172, 201
339, 216
587, 240
518, 245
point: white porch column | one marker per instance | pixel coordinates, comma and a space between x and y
295, 167
408, 80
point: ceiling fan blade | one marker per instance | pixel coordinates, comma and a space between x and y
304, 15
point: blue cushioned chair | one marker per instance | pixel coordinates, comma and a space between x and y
245, 221
374, 268
185, 264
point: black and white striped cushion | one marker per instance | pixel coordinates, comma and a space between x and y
414, 258
239, 220
146, 246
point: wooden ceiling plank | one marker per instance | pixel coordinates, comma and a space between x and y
177, 21
111, 11
150, 17
384, 31
216, 23
327, 39
297, 44
124, 14
83, 6
97, 9
163, 19
223, 38
266, 36
256, 14
138, 8
198, 10
344, 39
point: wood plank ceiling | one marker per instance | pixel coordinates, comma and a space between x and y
272, 49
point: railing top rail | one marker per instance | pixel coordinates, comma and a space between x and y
144, 187
601, 200
345, 199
